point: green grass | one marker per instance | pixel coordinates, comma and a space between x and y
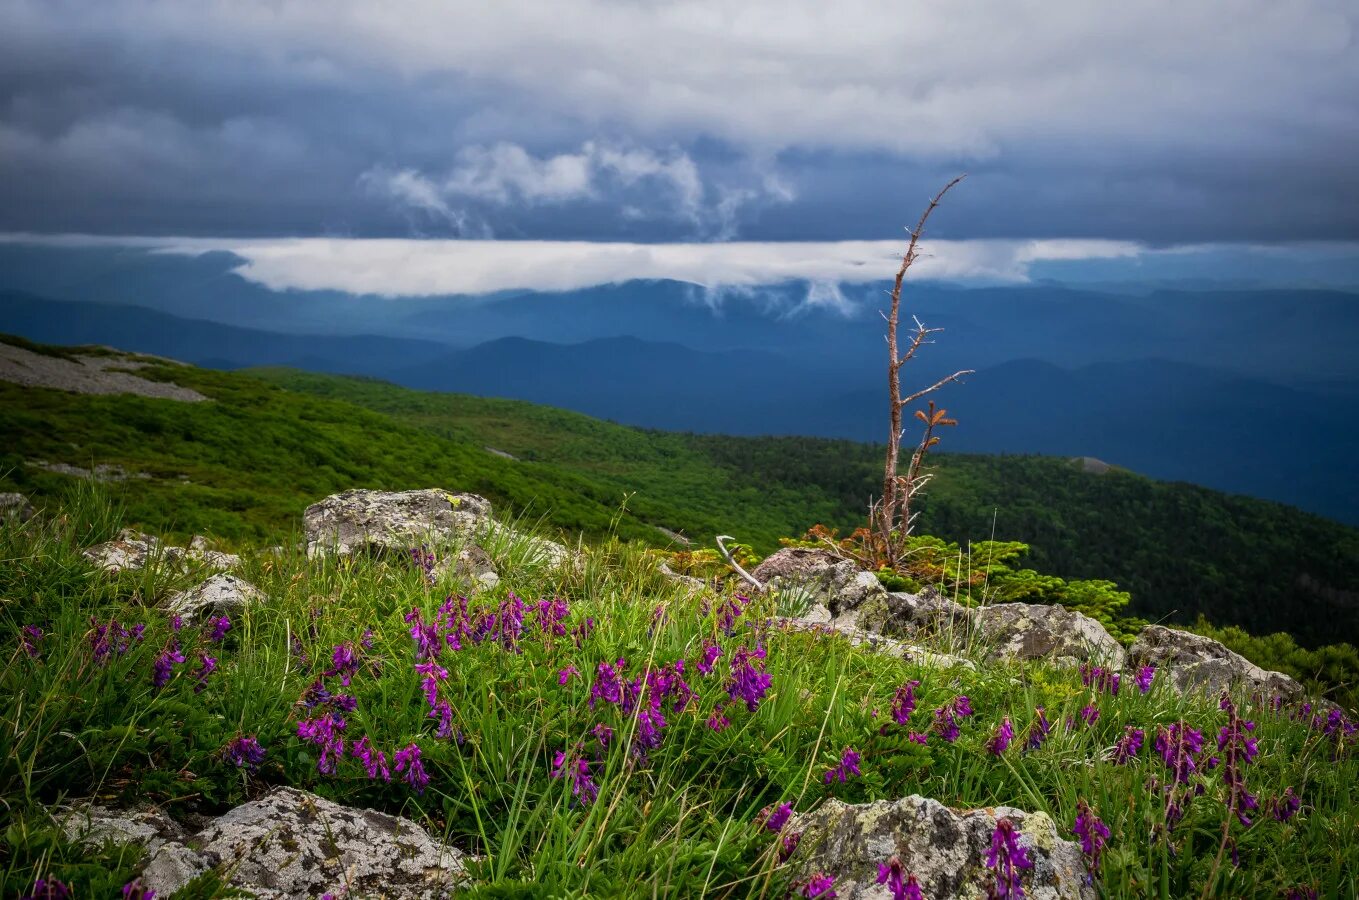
680, 822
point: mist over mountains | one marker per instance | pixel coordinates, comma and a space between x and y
1250, 391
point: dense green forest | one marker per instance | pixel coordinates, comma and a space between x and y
243, 467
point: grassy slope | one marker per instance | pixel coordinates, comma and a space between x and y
681, 819
1181, 550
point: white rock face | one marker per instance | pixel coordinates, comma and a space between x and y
362, 520
1193, 663
220, 593
287, 844
944, 849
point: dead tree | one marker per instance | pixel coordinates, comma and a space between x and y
891, 517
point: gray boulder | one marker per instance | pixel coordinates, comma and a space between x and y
15, 506
1029, 631
1196, 664
220, 593
472, 564
879, 643
944, 849
381, 521
199, 551
928, 613
287, 844
132, 551
835, 589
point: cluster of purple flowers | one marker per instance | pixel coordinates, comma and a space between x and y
163, 668
1006, 859
820, 885
135, 890
48, 889
848, 765
1093, 834
244, 752
900, 883
1238, 749
1000, 741
30, 639
1038, 730
575, 768
424, 560
1100, 678
749, 681
1129, 745
112, 639
946, 717
408, 762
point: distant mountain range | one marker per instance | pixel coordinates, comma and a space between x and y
1249, 392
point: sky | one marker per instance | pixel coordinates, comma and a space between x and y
1082, 125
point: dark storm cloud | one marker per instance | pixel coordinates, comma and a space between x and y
1159, 122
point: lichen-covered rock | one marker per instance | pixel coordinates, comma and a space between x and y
927, 613
294, 844
132, 552
362, 520
1030, 631
15, 506
472, 564
1193, 663
945, 850
852, 597
220, 593
170, 862
199, 551
874, 641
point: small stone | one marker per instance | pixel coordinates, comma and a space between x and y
15, 506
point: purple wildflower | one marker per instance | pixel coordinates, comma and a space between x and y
1129, 745
1178, 746
564, 675
729, 611
48, 889
425, 635
1039, 730
374, 761
848, 765
1094, 834
1238, 750
206, 666
443, 712
648, 736
135, 890
1101, 678
902, 886
220, 626
775, 819
1144, 678
903, 703
749, 681
344, 662
1005, 859
1286, 805
324, 732
408, 761
30, 637
718, 721
946, 717
789, 845
608, 686
366, 642
710, 654
431, 674
1090, 714
820, 885
424, 560
1000, 741
163, 667
113, 639
602, 733
244, 752
576, 770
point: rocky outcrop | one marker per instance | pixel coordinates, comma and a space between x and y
1027, 631
472, 564
927, 614
15, 506
219, 594
873, 641
944, 849
287, 844
381, 521
835, 589
1193, 663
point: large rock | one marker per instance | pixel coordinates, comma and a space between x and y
362, 520
1029, 631
1194, 663
220, 593
945, 850
287, 844
928, 613
836, 589
15, 506
876, 642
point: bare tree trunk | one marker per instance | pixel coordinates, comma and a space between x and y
896, 490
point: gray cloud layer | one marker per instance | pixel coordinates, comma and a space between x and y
1163, 120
